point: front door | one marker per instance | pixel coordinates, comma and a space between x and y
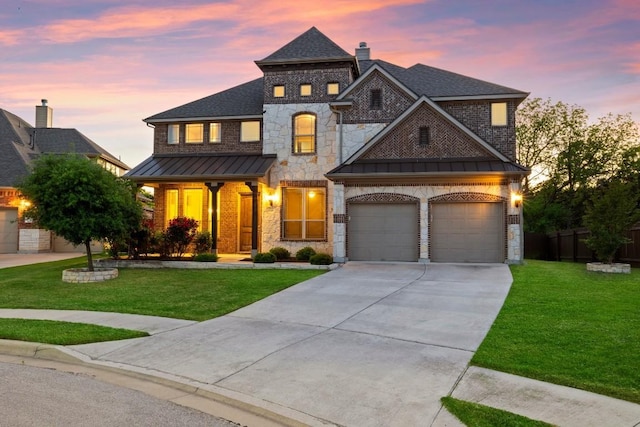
245, 223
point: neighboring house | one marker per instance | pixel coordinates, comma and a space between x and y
20, 144
356, 157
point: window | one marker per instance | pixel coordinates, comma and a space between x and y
499, 114
250, 131
214, 132
333, 88
304, 133
305, 89
193, 205
278, 91
424, 136
304, 213
375, 100
170, 205
173, 134
194, 133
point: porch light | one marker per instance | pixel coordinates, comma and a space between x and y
516, 199
270, 197
24, 204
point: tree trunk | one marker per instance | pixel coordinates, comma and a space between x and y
87, 245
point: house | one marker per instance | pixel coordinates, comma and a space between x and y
353, 156
20, 144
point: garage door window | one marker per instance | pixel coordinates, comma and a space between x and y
304, 213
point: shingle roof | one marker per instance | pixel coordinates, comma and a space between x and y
243, 100
424, 167
21, 143
312, 45
436, 83
202, 167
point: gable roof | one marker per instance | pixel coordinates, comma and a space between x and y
21, 143
442, 85
310, 46
424, 100
244, 100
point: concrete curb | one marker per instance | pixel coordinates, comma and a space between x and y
260, 409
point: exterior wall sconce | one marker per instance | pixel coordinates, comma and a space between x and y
516, 199
271, 197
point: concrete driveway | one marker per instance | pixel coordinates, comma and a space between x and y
368, 344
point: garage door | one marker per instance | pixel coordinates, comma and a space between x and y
383, 232
467, 232
8, 230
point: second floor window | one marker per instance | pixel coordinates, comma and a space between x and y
375, 99
305, 89
424, 135
278, 91
173, 134
214, 132
304, 133
333, 88
499, 114
194, 133
250, 131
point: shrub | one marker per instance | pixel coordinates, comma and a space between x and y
264, 258
179, 234
158, 244
305, 253
206, 257
202, 242
321, 259
280, 253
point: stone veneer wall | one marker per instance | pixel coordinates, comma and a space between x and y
354, 136
34, 240
425, 192
476, 115
301, 168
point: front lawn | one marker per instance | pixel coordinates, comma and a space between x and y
475, 415
62, 333
178, 293
564, 325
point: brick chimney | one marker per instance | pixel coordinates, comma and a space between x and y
363, 52
44, 115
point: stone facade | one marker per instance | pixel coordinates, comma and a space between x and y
34, 240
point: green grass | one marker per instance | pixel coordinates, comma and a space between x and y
178, 293
62, 333
565, 325
474, 415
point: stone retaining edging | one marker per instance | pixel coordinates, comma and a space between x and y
609, 268
83, 275
127, 263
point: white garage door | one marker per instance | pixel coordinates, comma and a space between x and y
8, 230
467, 232
383, 232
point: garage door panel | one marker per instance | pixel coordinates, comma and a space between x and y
467, 232
383, 232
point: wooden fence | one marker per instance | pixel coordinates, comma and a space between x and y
568, 245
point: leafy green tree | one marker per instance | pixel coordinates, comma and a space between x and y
569, 157
612, 212
79, 200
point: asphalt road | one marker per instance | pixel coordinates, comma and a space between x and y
35, 396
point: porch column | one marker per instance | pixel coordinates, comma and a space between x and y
253, 185
214, 187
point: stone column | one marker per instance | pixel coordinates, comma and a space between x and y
214, 187
254, 216
339, 223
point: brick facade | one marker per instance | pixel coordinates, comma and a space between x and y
292, 77
394, 101
229, 142
446, 140
476, 115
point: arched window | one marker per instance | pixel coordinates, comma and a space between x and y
304, 133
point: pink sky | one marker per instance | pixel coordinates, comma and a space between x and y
104, 65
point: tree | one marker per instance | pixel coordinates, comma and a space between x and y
569, 157
79, 200
612, 212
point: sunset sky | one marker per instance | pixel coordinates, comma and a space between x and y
104, 65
